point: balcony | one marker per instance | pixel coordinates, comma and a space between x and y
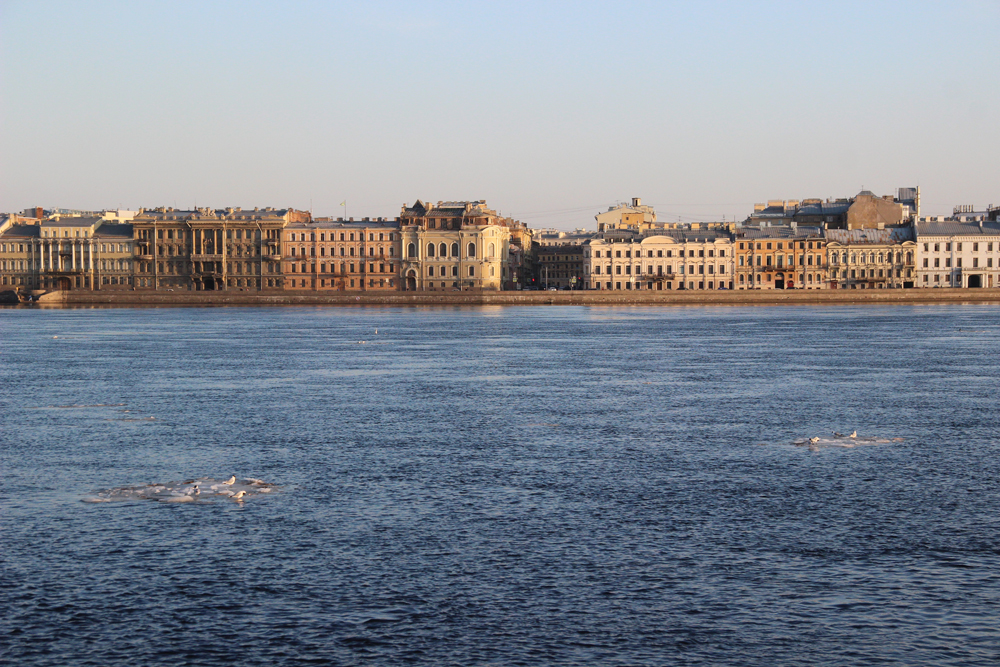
206, 258
144, 257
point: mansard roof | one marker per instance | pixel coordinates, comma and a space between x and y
957, 228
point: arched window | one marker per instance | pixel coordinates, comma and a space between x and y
880, 258
442, 250
871, 258
430, 249
411, 251
492, 250
454, 250
472, 251
909, 258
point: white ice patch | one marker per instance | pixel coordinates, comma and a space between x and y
203, 489
839, 440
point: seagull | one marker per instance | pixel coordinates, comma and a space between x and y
854, 434
838, 435
814, 440
196, 491
231, 480
239, 496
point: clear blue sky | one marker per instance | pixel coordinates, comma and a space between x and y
549, 111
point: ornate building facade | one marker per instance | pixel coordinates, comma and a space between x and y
205, 249
450, 246
871, 258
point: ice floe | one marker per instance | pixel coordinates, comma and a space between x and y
839, 440
200, 490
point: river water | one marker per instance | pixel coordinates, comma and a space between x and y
501, 485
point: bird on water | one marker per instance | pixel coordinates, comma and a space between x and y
231, 480
239, 496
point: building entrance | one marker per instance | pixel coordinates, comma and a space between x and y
975, 280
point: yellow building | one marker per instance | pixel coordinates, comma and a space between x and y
452, 246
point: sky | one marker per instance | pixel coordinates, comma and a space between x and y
550, 111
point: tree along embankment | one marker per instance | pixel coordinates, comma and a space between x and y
609, 298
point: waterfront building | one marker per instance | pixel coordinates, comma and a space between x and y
871, 258
780, 257
559, 266
19, 253
958, 252
692, 259
114, 262
340, 255
205, 249
522, 257
66, 253
457, 245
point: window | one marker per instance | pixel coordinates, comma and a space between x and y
472, 269
472, 253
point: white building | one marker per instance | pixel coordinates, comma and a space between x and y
957, 253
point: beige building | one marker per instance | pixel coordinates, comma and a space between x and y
342, 255
462, 245
688, 260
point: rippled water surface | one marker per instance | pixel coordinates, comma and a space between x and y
546, 485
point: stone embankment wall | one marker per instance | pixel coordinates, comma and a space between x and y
682, 298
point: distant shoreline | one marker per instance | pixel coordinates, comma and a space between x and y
594, 298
